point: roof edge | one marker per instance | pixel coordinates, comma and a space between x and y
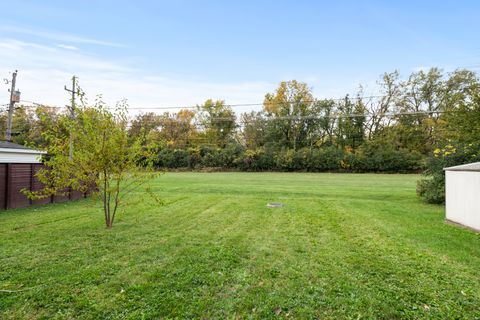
474, 166
30, 151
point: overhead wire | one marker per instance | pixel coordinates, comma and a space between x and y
350, 97
242, 122
234, 105
316, 117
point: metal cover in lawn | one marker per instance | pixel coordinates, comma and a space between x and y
274, 205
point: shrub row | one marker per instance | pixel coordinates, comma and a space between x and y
366, 159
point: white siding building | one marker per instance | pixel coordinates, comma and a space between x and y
462, 195
15, 153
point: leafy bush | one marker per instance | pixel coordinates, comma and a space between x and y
376, 157
172, 158
284, 160
432, 190
228, 155
255, 160
210, 157
432, 187
369, 158
325, 159
194, 158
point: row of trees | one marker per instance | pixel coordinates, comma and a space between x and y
408, 114
396, 131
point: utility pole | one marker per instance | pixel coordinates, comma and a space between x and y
72, 110
14, 97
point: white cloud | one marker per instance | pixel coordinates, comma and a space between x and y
44, 70
58, 36
66, 46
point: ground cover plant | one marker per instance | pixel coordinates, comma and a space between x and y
355, 246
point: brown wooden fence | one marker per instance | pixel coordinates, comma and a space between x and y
17, 176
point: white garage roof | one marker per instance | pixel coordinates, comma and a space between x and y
475, 166
16, 153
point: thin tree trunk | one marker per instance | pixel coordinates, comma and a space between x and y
117, 192
108, 209
105, 198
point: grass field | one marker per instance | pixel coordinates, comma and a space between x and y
343, 246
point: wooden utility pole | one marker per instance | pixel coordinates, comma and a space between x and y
14, 97
72, 110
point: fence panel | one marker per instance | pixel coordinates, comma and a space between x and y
37, 185
17, 176
3, 186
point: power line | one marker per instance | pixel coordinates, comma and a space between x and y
239, 119
34, 105
315, 117
235, 105
37, 104
352, 98
263, 103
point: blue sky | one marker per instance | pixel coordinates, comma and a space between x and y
178, 53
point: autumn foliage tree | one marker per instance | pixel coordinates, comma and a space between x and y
289, 109
217, 121
104, 161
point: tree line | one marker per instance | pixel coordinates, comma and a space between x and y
422, 122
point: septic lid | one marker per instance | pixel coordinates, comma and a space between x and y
274, 205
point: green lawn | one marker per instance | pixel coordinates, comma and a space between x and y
343, 246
